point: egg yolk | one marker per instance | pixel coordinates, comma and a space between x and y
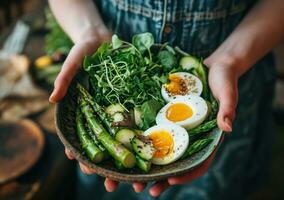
177, 85
178, 112
162, 142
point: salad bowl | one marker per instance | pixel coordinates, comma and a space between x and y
65, 112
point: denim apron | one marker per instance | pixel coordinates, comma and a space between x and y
199, 27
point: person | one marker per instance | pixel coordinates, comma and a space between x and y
235, 38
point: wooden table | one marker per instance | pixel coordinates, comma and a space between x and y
53, 177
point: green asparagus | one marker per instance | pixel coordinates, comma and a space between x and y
202, 128
196, 147
92, 151
98, 109
119, 165
97, 142
142, 164
115, 149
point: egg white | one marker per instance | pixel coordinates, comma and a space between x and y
180, 140
196, 90
196, 103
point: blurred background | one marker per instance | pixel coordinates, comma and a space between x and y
32, 160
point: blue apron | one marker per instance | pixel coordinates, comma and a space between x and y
199, 27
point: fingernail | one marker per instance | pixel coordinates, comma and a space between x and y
171, 181
135, 189
51, 97
228, 121
153, 194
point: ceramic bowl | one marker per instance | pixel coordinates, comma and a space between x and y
65, 124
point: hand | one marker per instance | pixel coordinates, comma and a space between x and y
91, 39
223, 82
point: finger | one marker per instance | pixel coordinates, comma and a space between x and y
69, 154
110, 185
68, 71
70, 68
158, 188
138, 187
85, 169
192, 175
228, 102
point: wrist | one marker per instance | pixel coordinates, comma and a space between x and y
91, 38
227, 60
93, 34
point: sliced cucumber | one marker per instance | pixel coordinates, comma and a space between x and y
144, 149
142, 164
118, 117
189, 62
138, 132
124, 136
138, 116
114, 108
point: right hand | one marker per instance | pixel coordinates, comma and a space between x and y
89, 42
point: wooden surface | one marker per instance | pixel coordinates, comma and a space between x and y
53, 175
21, 144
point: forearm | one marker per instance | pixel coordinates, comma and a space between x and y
79, 19
257, 34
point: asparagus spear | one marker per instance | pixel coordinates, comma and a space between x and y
115, 149
119, 165
98, 109
196, 146
92, 151
202, 128
142, 164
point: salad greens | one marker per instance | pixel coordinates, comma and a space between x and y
167, 59
149, 110
125, 97
126, 73
143, 42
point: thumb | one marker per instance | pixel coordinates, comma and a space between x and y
70, 68
227, 98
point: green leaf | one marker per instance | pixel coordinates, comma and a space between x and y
149, 111
167, 59
103, 51
143, 41
116, 42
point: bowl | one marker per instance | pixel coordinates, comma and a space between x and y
66, 130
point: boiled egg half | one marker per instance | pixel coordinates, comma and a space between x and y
188, 112
181, 84
170, 142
